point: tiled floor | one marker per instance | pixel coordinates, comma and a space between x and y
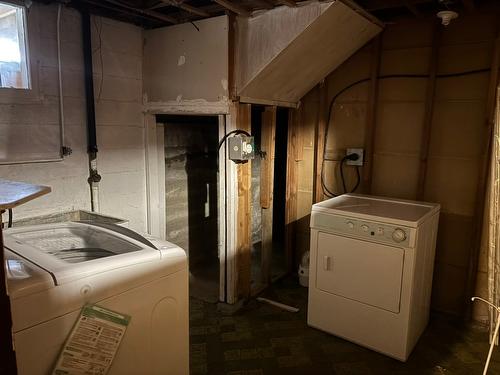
261, 339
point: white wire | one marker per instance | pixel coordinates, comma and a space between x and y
497, 327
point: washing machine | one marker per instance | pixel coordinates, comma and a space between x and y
371, 266
54, 270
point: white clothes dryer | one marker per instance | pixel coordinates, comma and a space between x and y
371, 266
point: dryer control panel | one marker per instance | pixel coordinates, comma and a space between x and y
375, 231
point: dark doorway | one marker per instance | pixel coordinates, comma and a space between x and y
191, 195
279, 260
262, 271
257, 281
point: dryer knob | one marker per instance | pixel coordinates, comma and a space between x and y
398, 235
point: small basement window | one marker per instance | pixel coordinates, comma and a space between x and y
13, 47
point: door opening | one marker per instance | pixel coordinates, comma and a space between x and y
279, 257
191, 197
268, 195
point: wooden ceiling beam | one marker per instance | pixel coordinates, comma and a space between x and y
127, 12
372, 5
265, 4
235, 8
290, 3
145, 12
181, 5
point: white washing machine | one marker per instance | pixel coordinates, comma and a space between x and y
371, 266
53, 270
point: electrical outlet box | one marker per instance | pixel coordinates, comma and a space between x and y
241, 148
360, 153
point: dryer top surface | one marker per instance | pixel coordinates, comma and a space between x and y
384, 209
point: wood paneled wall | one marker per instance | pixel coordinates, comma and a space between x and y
454, 144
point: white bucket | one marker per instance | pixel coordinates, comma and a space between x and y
304, 276
304, 270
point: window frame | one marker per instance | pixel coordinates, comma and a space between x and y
14, 95
22, 36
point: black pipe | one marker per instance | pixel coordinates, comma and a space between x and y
89, 85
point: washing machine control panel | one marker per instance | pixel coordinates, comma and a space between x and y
379, 232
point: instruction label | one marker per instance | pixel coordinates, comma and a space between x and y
93, 342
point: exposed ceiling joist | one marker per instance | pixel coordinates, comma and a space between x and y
265, 4
128, 12
290, 3
234, 7
146, 12
182, 5
372, 5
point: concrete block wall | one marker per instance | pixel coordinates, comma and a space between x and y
120, 129
117, 62
67, 178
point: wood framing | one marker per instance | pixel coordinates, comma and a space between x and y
290, 3
229, 270
267, 190
244, 220
293, 156
320, 130
234, 7
222, 211
182, 5
160, 154
267, 164
481, 190
231, 56
371, 115
429, 110
153, 198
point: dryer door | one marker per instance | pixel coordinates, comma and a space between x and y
363, 271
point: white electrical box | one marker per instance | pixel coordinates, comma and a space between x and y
360, 153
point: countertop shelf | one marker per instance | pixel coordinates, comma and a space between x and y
13, 193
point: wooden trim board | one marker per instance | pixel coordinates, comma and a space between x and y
293, 156
371, 114
231, 217
320, 131
267, 190
244, 242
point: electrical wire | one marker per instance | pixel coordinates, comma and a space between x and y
325, 188
234, 132
342, 174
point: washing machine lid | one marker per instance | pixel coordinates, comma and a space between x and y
71, 251
389, 210
23, 277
